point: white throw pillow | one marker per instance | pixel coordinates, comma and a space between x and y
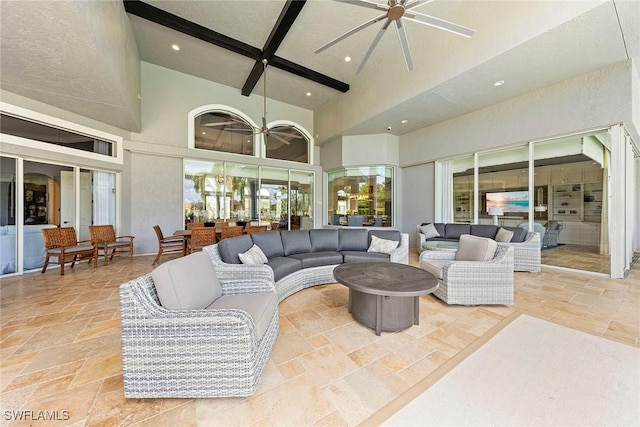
382, 245
253, 256
187, 283
474, 248
503, 235
429, 231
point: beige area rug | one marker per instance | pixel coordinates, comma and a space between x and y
531, 373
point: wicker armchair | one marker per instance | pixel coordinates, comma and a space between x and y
191, 353
473, 282
201, 237
105, 239
62, 246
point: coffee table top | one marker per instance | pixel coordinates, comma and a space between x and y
385, 278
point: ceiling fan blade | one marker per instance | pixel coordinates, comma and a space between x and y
213, 124
285, 135
273, 135
365, 3
350, 32
416, 3
439, 23
373, 45
404, 42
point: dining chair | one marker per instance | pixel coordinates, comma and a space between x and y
62, 243
231, 231
192, 225
167, 245
105, 239
201, 237
275, 226
255, 228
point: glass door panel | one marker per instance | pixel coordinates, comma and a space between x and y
301, 191
463, 189
8, 213
243, 185
273, 198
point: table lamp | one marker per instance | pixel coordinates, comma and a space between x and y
496, 211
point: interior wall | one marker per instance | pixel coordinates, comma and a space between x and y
418, 198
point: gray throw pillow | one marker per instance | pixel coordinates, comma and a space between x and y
474, 248
503, 235
187, 283
429, 231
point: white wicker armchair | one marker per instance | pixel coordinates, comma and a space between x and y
473, 282
191, 353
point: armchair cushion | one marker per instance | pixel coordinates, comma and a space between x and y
429, 231
260, 306
188, 283
474, 248
253, 256
435, 266
382, 245
503, 235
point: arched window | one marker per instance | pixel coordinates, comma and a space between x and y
287, 142
223, 131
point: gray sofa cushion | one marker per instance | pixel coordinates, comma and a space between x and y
230, 248
519, 234
187, 283
352, 239
260, 306
454, 230
270, 243
385, 234
324, 240
283, 266
296, 242
481, 230
357, 256
316, 259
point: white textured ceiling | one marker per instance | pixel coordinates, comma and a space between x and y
50, 53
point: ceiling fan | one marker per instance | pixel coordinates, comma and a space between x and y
395, 11
244, 127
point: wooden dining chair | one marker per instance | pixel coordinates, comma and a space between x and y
201, 237
62, 246
255, 228
192, 225
105, 239
167, 245
231, 231
275, 226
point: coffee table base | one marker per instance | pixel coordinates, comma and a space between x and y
384, 313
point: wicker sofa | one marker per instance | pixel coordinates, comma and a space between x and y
220, 348
303, 258
526, 245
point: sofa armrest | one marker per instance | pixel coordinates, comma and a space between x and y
445, 255
420, 239
498, 269
245, 286
233, 271
401, 253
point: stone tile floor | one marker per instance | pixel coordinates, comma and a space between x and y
60, 348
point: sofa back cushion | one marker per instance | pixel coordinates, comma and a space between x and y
324, 240
386, 235
230, 248
296, 242
353, 239
187, 283
474, 248
270, 242
482, 230
519, 234
454, 230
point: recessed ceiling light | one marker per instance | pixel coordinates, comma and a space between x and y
204, 133
347, 59
175, 47
308, 93
499, 83
404, 121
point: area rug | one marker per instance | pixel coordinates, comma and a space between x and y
531, 373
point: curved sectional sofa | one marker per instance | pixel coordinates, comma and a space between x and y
218, 346
526, 245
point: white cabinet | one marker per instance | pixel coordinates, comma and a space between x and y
580, 233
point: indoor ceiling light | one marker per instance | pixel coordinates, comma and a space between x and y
308, 93
347, 59
499, 83
404, 121
175, 47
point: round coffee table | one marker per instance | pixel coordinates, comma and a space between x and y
385, 296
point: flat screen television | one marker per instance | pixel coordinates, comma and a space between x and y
509, 201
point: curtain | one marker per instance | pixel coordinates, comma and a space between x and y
604, 217
104, 198
444, 192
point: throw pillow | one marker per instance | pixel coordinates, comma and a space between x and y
474, 248
382, 245
429, 231
253, 256
503, 235
187, 283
